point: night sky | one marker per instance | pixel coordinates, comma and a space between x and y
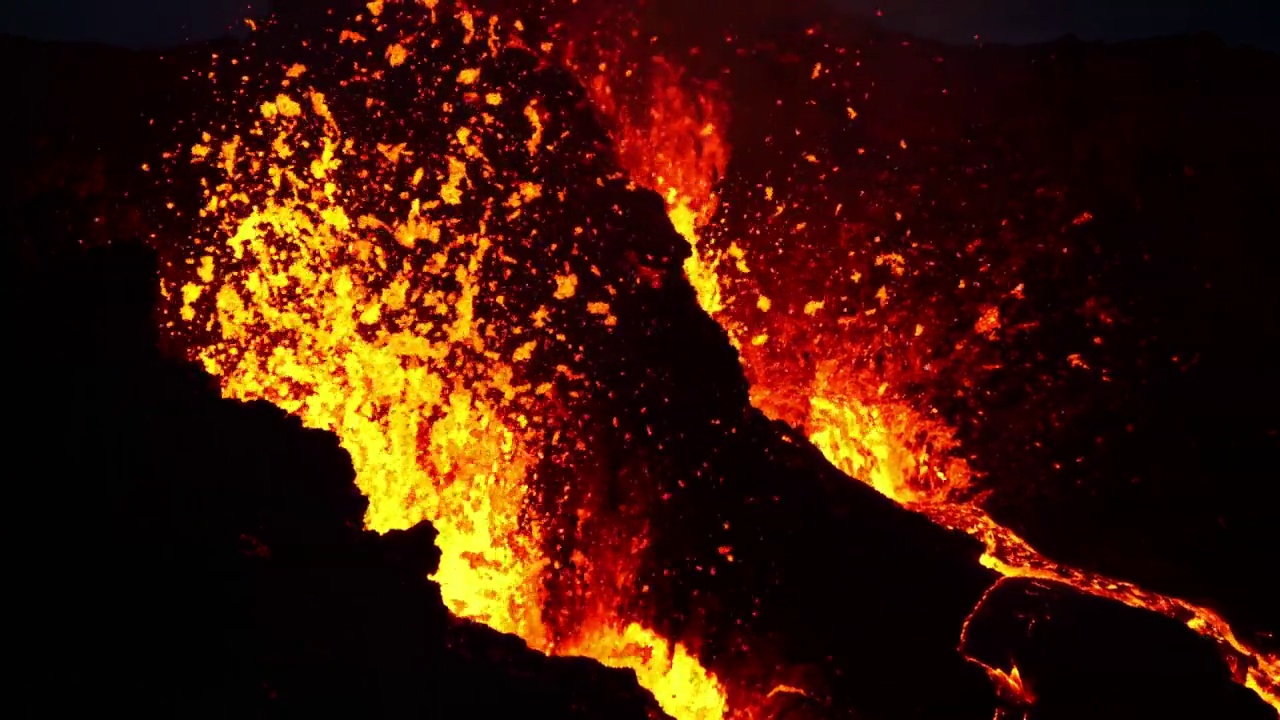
1254, 22
152, 23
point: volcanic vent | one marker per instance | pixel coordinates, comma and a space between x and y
624, 325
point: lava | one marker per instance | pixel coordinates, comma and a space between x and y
671, 143
366, 270
852, 388
358, 269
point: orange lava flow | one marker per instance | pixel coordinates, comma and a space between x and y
359, 284
858, 416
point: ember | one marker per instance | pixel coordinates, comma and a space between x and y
367, 281
471, 241
851, 391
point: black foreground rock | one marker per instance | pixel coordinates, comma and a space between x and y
185, 555
1080, 656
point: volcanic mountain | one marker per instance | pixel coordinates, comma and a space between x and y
617, 314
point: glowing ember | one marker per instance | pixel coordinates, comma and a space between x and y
849, 379
363, 273
669, 142
365, 267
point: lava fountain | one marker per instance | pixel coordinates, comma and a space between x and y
389, 250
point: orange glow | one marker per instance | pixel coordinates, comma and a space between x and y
342, 279
670, 143
293, 327
677, 680
861, 416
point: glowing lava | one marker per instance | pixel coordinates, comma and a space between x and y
365, 267
822, 371
671, 143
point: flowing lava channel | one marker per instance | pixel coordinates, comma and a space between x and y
361, 279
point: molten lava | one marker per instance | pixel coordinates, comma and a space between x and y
369, 269
373, 277
847, 378
687, 127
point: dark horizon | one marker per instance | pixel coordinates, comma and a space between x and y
162, 23
1237, 22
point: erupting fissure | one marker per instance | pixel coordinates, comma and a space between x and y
369, 272
857, 413
368, 264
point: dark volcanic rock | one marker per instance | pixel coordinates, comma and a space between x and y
189, 555
1080, 656
1124, 187
826, 574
